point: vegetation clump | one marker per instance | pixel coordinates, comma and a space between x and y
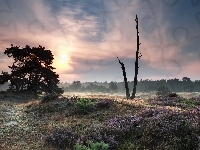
172, 129
190, 103
112, 131
106, 103
150, 128
163, 91
49, 97
31, 71
146, 128
93, 146
84, 105
99, 134
61, 138
176, 102
172, 95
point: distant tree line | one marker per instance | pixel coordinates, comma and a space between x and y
77, 86
32, 71
175, 85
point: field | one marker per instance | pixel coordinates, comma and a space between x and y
147, 122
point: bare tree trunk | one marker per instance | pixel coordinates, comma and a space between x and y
136, 62
125, 79
136, 68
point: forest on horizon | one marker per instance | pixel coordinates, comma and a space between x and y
175, 85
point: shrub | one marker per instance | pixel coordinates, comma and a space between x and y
172, 95
106, 103
123, 125
93, 146
151, 128
168, 129
187, 102
113, 131
127, 145
84, 105
163, 91
99, 133
49, 97
61, 138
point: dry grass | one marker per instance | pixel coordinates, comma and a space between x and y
29, 128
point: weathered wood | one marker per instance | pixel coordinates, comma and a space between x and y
136, 61
136, 68
125, 79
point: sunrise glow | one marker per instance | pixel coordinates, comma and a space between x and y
63, 58
86, 38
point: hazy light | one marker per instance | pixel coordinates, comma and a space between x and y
64, 58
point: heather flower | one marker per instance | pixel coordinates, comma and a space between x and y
61, 138
173, 127
106, 103
99, 133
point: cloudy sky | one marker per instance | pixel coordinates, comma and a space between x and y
87, 36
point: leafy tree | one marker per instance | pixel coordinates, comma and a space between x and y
102, 88
186, 79
113, 86
4, 77
92, 87
32, 70
76, 85
149, 88
163, 91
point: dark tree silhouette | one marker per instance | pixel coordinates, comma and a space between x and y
76, 85
136, 68
32, 70
163, 91
4, 77
136, 62
113, 86
186, 79
125, 79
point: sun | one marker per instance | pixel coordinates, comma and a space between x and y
63, 58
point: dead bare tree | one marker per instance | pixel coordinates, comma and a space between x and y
125, 79
136, 68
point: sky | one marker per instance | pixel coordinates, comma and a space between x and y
86, 37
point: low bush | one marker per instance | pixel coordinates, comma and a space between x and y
113, 131
151, 128
93, 146
98, 134
49, 97
172, 95
84, 105
163, 91
106, 103
127, 145
61, 138
168, 129
187, 102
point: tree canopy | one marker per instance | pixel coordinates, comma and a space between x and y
32, 70
113, 86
